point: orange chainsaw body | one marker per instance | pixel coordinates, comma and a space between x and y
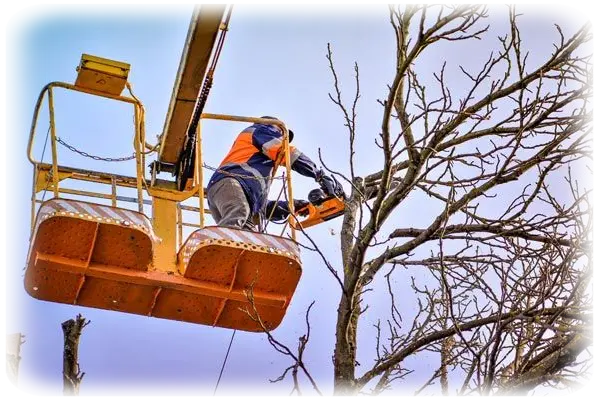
328, 209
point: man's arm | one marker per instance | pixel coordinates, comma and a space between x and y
302, 164
270, 142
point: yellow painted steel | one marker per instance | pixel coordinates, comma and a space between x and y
288, 177
33, 197
68, 86
164, 190
112, 67
164, 217
199, 173
167, 216
53, 144
138, 137
195, 59
168, 190
179, 226
45, 177
138, 161
150, 255
113, 190
87, 193
101, 74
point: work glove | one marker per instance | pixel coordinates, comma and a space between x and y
281, 209
327, 184
301, 207
298, 205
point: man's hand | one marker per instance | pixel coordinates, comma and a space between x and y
279, 210
327, 184
301, 207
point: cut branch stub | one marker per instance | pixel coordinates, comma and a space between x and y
72, 376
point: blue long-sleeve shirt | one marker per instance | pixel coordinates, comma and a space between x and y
252, 159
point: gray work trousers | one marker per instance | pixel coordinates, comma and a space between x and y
229, 205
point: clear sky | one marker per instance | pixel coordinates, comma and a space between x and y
273, 63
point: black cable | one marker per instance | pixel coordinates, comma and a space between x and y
224, 362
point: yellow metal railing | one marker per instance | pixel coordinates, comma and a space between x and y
138, 137
53, 173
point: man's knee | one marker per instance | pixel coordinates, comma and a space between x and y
228, 198
235, 216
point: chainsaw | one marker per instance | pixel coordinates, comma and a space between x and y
321, 207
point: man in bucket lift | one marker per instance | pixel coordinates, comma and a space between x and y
237, 192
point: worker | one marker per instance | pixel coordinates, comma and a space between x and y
237, 192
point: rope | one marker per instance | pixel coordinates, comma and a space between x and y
234, 175
224, 362
269, 218
42, 160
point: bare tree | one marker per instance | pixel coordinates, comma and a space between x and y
71, 373
501, 263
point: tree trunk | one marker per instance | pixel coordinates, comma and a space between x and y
345, 348
552, 364
71, 374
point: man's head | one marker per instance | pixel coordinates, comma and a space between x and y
290, 131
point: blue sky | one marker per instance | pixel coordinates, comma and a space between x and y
273, 63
